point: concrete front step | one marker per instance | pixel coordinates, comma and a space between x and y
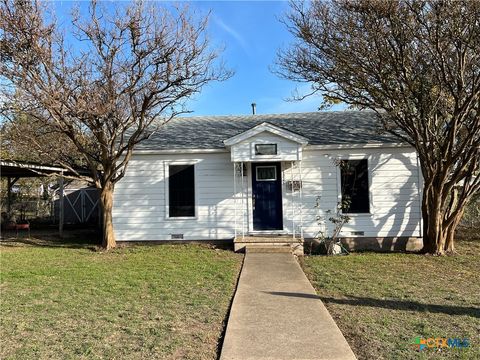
269, 244
260, 248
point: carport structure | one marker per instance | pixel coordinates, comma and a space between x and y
14, 170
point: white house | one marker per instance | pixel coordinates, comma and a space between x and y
259, 178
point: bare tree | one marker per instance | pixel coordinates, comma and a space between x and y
417, 65
28, 139
105, 82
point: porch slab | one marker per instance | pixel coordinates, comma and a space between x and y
276, 314
284, 239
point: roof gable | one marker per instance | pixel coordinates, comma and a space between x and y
266, 127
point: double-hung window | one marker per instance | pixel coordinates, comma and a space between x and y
354, 184
181, 191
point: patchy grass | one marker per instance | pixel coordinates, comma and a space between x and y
381, 302
66, 301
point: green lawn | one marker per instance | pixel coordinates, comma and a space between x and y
142, 302
381, 302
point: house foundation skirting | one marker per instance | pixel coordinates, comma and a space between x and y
220, 243
400, 243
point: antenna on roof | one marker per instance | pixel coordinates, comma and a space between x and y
254, 108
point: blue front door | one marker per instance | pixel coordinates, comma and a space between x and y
267, 196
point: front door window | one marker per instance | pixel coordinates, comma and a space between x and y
266, 173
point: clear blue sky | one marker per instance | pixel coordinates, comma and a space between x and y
251, 33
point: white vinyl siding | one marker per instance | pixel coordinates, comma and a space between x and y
394, 193
140, 197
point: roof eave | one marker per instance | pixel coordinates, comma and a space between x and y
308, 147
373, 145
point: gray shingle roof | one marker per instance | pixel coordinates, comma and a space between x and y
320, 128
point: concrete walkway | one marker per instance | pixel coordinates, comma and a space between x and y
276, 314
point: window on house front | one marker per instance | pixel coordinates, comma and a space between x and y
354, 184
181, 191
265, 149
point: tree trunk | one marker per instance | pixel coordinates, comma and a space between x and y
433, 236
438, 238
449, 241
106, 199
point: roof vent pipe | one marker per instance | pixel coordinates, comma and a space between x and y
254, 108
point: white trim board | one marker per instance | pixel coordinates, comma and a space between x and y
358, 146
180, 151
268, 128
307, 148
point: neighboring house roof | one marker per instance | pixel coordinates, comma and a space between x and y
320, 128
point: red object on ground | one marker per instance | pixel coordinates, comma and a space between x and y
23, 226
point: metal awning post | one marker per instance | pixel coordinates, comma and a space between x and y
247, 203
235, 196
61, 209
301, 199
292, 191
243, 207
